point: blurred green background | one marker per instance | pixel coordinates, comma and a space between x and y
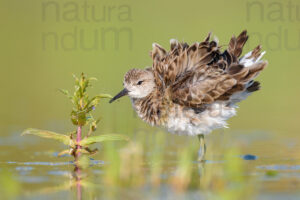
44, 42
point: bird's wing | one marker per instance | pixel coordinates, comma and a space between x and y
200, 74
169, 66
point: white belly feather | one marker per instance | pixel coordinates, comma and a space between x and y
187, 122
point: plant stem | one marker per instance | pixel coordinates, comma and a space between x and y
78, 186
78, 139
78, 182
77, 169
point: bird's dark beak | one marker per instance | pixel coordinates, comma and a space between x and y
122, 93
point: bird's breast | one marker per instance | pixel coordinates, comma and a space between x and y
153, 110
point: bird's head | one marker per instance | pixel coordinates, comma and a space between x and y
138, 83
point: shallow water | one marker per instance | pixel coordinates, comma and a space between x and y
271, 170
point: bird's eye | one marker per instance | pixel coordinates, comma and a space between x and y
140, 82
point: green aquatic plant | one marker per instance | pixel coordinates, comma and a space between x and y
81, 116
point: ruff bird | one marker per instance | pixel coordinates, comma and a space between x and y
193, 89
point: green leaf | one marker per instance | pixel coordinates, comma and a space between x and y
78, 117
93, 102
65, 92
104, 96
65, 152
93, 79
87, 151
75, 77
51, 135
93, 124
102, 138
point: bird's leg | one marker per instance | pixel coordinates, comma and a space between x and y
202, 149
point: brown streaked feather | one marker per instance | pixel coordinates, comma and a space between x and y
200, 74
208, 37
236, 45
153, 108
182, 58
226, 96
254, 87
253, 71
256, 52
158, 53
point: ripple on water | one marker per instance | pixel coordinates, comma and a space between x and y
59, 173
279, 167
33, 179
48, 163
97, 162
92, 162
55, 154
24, 168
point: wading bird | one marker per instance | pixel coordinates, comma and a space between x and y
192, 90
